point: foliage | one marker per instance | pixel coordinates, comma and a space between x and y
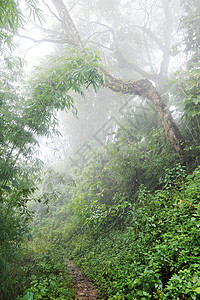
21, 118
18, 165
51, 86
190, 25
157, 255
134, 244
133, 228
18, 168
13, 228
106, 188
141, 247
185, 84
12, 18
47, 277
16, 140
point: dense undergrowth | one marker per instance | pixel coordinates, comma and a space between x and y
157, 255
44, 275
129, 216
132, 242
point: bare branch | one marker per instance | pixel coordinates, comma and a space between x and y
47, 40
73, 5
46, 30
49, 8
123, 63
152, 36
36, 44
94, 33
98, 44
101, 24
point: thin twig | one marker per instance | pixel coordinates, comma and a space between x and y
52, 11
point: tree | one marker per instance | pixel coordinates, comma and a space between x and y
18, 164
143, 87
186, 88
190, 26
16, 138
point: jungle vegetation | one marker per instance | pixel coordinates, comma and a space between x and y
118, 95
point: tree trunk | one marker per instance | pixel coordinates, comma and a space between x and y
72, 35
145, 88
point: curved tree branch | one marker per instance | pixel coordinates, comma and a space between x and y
123, 63
145, 89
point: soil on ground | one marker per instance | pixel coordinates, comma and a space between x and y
83, 287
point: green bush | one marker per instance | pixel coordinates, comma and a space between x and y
48, 278
156, 256
132, 242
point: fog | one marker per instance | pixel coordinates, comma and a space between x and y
134, 40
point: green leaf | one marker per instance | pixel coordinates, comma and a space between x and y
28, 296
197, 290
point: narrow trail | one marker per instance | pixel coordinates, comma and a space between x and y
83, 287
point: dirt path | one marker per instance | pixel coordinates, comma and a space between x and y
84, 289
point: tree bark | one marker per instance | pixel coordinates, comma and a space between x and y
145, 88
